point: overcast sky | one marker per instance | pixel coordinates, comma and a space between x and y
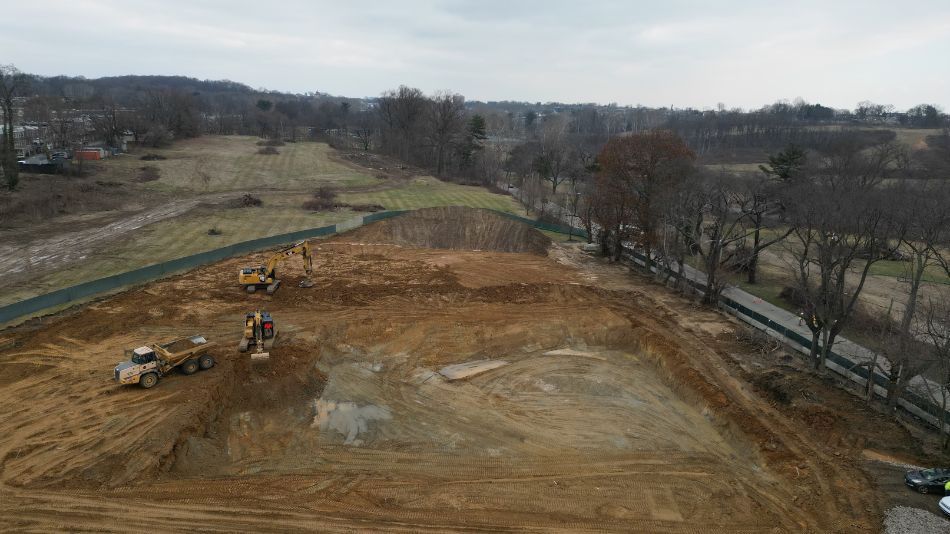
656, 53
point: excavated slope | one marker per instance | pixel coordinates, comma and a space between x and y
456, 228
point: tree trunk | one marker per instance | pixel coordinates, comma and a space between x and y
754, 259
815, 347
827, 341
604, 243
711, 297
648, 260
618, 245
896, 384
911, 306
869, 392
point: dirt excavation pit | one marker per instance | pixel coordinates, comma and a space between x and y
605, 415
282, 416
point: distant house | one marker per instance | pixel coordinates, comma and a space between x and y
26, 140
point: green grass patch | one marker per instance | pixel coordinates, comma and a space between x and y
768, 290
902, 270
230, 163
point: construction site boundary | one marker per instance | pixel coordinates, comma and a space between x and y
86, 290
854, 371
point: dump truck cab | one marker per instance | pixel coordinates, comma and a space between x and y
142, 360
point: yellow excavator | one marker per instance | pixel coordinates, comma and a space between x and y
266, 275
259, 328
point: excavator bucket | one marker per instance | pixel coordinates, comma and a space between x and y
259, 355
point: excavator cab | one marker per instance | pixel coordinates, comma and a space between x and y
261, 330
266, 323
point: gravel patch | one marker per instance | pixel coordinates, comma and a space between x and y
906, 520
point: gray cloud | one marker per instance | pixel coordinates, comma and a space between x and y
683, 53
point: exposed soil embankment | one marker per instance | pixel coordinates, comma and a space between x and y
457, 228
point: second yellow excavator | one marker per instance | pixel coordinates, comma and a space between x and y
266, 275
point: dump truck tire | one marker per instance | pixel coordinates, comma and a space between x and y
206, 362
148, 380
190, 367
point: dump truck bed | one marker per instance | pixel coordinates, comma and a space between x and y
181, 349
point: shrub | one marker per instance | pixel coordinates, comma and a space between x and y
214, 231
246, 201
149, 174
319, 204
157, 136
793, 296
270, 142
371, 208
325, 192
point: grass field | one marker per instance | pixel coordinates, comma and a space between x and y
901, 270
231, 163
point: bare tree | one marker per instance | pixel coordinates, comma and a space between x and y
636, 172
761, 197
720, 230
12, 83
937, 330
444, 120
552, 161
840, 216
402, 112
365, 129
925, 214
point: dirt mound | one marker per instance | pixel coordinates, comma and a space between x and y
456, 228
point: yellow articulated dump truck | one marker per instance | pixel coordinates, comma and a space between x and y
148, 363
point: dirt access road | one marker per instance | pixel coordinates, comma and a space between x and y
616, 409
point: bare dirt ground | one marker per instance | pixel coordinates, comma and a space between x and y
623, 407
